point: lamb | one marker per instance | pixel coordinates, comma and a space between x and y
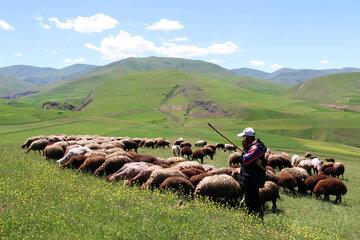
235, 158
208, 152
54, 151
330, 186
92, 163
186, 151
201, 143
38, 145
339, 169
198, 154
73, 152
179, 184
311, 181
74, 162
229, 147
143, 176
159, 175
270, 192
129, 170
197, 178
185, 144
300, 175
287, 180
112, 165
175, 150
220, 187
189, 172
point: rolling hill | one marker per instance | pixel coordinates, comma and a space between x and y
340, 91
291, 76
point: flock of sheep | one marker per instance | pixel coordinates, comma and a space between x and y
117, 158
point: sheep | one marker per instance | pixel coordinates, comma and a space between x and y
307, 155
112, 165
235, 158
74, 162
229, 147
179, 184
142, 176
208, 152
186, 151
212, 146
208, 167
330, 171
188, 164
330, 160
317, 165
185, 144
326, 165
189, 172
129, 170
30, 140
100, 152
197, 178
38, 145
159, 175
107, 145
220, 187
270, 169
73, 152
279, 160
307, 165
198, 154
201, 143
311, 181
129, 145
298, 160
149, 143
172, 160
220, 145
339, 169
179, 141
147, 158
93, 146
233, 172
270, 176
115, 150
300, 175
293, 159
176, 150
287, 180
330, 186
270, 192
92, 163
162, 143
54, 151
267, 154
138, 141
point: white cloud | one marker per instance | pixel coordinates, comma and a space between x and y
4, 25
73, 61
96, 23
123, 45
166, 25
215, 60
179, 39
38, 18
276, 66
324, 61
257, 63
45, 26
54, 52
17, 54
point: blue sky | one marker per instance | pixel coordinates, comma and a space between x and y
264, 35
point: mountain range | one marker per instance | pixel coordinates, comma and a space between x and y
291, 76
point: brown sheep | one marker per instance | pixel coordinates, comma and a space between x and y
270, 176
220, 145
179, 184
30, 140
92, 163
129, 145
178, 141
339, 169
147, 158
172, 160
300, 175
162, 143
192, 172
311, 181
330, 186
270, 169
270, 192
330, 171
212, 146
235, 159
230, 147
74, 162
149, 143
326, 165
159, 175
185, 144
307, 155
330, 160
208, 152
197, 178
287, 180
186, 151
112, 165
38, 145
201, 143
198, 154
54, 151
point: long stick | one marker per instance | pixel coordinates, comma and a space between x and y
233, 144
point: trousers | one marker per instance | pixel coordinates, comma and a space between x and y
252, 201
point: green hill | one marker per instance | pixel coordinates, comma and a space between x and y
10, 86
340, 91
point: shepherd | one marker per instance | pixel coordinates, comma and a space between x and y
252, 176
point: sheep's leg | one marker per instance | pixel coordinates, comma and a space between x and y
274, 204
338, 198
326, 197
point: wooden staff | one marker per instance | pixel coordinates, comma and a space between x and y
233, 144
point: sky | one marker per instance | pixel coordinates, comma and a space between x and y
261, 34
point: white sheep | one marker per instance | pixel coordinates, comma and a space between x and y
73, 152
176, 150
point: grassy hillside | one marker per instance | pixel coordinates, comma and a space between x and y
10, 85
337, 90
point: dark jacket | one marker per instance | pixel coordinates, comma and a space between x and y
251, 175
